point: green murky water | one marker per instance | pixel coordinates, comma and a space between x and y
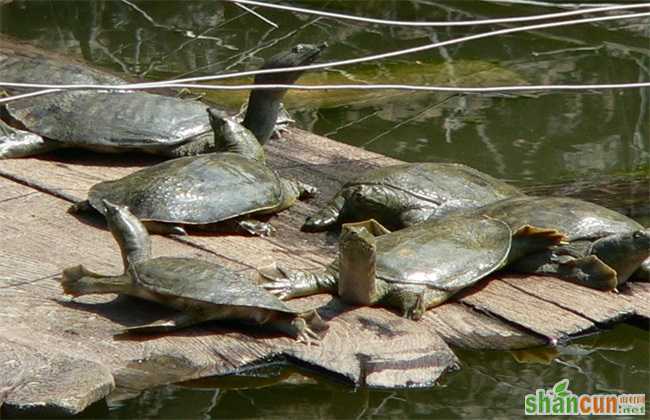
587, 138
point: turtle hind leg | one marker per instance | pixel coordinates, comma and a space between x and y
160, 228
78, 281
587, 271
414, 303
243, 226
590, 272
17, 143
530, 239
172, 323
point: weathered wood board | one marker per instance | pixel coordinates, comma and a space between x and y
368, 346
638, 294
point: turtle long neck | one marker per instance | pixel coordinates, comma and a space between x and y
262, 113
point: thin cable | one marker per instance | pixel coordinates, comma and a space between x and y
398, 52
257, 15
455, 89
176, 82
439, 24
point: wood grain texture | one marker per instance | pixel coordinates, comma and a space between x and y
462, 326
638, 294
539, 316
598, 306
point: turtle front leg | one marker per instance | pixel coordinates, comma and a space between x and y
287, 284
16, 143
255, 227
414, 302
304, 327
327, 217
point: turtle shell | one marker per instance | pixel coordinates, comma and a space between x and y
204, 282
95, 119
448, 186
194, 190
23, 64
112, 120
577, 219
447, 254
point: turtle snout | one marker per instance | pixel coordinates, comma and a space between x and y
110, 207
642, 238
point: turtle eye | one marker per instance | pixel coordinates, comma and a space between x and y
637, 235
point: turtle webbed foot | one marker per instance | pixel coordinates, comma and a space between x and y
307, 191
318, 223
305, 334
256, 228
414, 306
287, 284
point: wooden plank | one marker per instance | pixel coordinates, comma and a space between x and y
39, 381
364, 345
545, 318
638, 294
462, 326
600, 307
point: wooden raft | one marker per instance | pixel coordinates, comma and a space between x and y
59, 355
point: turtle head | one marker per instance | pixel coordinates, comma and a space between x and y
234, 137
300, 55
218, 119
624, 252
264, 105
357, 264
129, 233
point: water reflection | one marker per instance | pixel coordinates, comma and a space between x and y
490, 384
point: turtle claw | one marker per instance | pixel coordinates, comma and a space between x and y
305, 334
416, 310
280, 288
177, 230
257, 228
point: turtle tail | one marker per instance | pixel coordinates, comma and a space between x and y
173, 323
